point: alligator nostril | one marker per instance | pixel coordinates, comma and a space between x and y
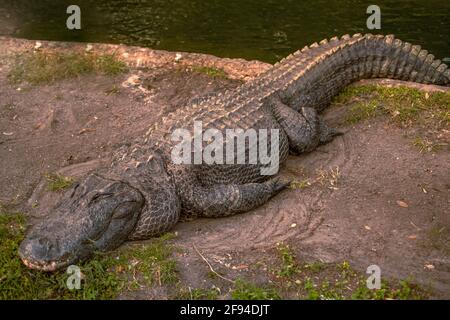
44, 249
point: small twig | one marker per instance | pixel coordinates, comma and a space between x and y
158, 274
209, 265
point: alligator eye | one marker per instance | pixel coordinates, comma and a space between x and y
98, 196
91, 241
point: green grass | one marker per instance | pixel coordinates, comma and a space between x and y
303, 184
198, 294
312, 292
153, 261
340, 281
322, 281
113, 90
56, 182
210, 71
362, 111
104, 276
403, 290
48, 67
107, 64
244, 290
425, 145
314, 266
288, 266
402, 104
241, 290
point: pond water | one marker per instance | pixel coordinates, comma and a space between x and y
253, 29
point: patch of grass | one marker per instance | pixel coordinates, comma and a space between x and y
329, 177
310, 288
350, 92
152, 261
361, 111
47, 67
324, 281
210, 71
323, 292
305, 183
314, 266
198, 294
426, 145
342, 282
108, 64
57, 182
103, 277
288, 265
244, 290
403, 104
113, 90
403, 290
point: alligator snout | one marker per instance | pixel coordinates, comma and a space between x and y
40, 253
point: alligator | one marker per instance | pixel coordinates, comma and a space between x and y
144, 193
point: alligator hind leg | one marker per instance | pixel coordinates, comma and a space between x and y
305, 130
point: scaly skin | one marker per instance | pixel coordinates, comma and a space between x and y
144, 192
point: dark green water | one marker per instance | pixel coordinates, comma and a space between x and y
253, 29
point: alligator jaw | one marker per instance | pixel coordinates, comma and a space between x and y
48, 266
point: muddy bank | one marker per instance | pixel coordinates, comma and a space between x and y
363, 202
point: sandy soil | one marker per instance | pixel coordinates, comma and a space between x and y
359, 219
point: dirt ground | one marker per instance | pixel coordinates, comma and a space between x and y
376, 213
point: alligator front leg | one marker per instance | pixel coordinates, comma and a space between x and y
305, 130
228, 199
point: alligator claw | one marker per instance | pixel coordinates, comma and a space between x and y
279, 185
337, 132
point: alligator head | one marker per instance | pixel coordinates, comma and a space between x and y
96, 214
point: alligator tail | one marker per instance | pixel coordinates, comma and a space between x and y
318, 72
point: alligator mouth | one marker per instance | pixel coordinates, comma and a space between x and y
48, 266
